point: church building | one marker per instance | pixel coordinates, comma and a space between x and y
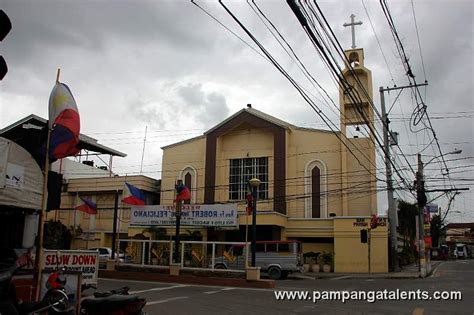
317, 186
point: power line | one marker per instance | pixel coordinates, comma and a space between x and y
378, 41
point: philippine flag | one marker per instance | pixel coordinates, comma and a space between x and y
87, 206
183, 192
133, 195
64, 122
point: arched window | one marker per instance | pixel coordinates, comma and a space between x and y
315, 192
188, 183
315, 189
189, 177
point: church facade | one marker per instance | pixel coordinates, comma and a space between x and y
317, 186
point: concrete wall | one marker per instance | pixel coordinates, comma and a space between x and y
351, 254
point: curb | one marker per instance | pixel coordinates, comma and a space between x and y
435, 269
186, 279
361, 276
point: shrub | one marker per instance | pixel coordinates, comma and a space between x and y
326, 258
310, 257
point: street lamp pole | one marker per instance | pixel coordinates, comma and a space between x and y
254, 183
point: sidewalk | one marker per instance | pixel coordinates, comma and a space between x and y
408, 272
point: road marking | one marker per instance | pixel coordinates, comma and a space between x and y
418, 311
340, 278
205, 285
159, 289
166, 300
436, 269
213, 292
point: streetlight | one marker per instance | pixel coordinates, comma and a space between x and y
421, 200
254, 183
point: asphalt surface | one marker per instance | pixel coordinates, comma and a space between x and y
169, 298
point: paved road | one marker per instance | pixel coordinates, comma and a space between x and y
166, 298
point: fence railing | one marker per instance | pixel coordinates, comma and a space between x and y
192, 254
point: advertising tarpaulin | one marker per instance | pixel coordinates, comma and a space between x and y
433, 208
198, 215
84, 261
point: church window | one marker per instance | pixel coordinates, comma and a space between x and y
315, 189
189, 177
241, 171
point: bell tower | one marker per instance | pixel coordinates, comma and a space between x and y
359, 186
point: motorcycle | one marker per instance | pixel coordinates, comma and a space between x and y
55, 300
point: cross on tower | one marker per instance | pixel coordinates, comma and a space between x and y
352, 24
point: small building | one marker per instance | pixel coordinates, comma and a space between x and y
73, 178
93, 231
460, 233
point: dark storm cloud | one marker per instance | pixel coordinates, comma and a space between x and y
210, 107
139, 63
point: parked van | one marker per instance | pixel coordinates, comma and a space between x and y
276, 258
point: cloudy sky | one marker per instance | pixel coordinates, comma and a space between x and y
170, 67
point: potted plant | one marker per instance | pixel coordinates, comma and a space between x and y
306, 261
326, 259
315, 265
310, 262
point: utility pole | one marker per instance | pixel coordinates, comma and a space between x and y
421, 200
392, 211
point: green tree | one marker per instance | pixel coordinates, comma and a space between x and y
406, 221
56, 235
407, 228
436, 230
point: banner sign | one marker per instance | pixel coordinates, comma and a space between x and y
361, 222
433, 208
201, 215
426, 215
83, 261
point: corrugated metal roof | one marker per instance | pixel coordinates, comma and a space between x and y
17, 132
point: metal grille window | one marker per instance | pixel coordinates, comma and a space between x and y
241, 171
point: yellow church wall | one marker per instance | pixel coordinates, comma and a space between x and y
351, 254
309, 228
175, 159
243, 142
361, 195
318, 247
306, 146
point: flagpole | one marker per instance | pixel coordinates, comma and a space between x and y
44, 204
